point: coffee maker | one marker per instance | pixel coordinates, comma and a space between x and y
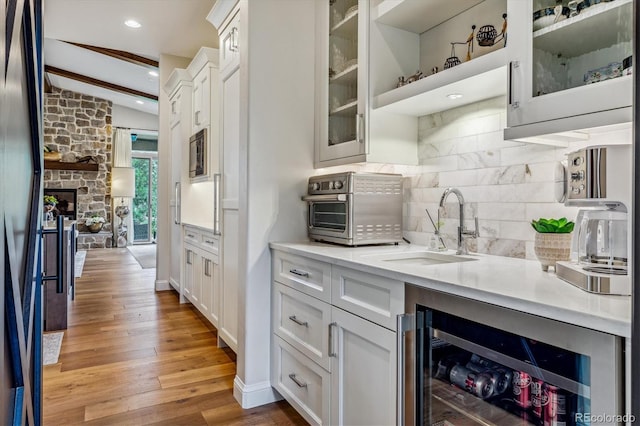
599, 181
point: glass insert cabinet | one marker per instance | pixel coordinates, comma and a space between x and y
342, 77
472, 363
569, 58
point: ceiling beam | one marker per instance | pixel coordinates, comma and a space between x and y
99, 83
120, 54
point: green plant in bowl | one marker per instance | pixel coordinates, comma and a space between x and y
553, 226
50, 200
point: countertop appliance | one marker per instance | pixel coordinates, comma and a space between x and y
599, 181
467, 362
355, 208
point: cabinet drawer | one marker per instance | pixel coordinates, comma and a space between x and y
303, 383
191, 236
372, 297
310, 276
303, 322
209, 243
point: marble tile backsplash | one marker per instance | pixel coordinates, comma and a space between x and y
505, 184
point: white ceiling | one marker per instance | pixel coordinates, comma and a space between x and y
174, 27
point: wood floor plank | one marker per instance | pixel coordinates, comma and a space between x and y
134, 356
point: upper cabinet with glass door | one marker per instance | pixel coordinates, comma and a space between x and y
345, 132
341, 79
569, 66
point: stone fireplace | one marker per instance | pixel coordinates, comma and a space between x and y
77, 125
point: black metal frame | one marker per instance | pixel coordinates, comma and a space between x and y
61, 193
635, 226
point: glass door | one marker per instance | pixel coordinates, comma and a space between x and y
477, 374
146, 199
569, 58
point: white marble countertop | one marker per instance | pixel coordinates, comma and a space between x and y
203, 226
512, 283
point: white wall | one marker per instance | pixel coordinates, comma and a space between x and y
506, 184
167, 64
133, 119
276, 140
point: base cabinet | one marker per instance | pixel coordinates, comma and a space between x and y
201, 277
333, 366
363, 372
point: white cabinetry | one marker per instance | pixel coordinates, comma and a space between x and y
205, 109
365, 47
265, 129
229, 187
548, 91
334, 344
179, 89
201, 272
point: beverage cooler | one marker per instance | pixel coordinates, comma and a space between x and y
464, 362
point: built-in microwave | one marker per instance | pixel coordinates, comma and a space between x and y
198, 166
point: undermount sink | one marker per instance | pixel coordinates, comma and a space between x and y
420, 258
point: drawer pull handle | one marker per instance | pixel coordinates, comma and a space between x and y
191, 236
297, 321
332, 352
208, 242
300, 273
296, 381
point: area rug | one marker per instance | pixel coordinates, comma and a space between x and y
81, 255
51, 343
145, 254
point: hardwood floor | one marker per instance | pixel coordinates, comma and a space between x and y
133, 356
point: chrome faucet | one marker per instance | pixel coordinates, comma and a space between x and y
462, 232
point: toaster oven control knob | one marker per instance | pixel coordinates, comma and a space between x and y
577, 161
330, 185
315, 186
576, 190
337, 184
577, 175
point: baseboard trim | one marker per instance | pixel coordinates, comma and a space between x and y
162, 285
249, 396
175, 284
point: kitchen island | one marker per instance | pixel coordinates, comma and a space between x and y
55, 304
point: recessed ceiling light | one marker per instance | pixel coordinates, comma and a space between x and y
132, 23
153, 73
140, 102
454, 95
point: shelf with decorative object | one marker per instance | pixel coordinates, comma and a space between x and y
479, 79
57, 165
407, 36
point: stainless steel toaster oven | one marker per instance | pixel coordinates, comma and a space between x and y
355, 208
